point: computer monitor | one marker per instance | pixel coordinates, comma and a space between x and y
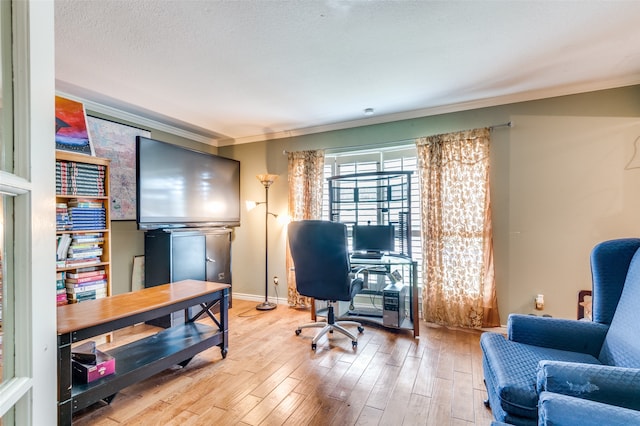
373, 238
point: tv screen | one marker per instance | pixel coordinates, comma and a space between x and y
179, 187
373, 238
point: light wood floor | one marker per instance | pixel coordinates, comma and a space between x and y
272, 377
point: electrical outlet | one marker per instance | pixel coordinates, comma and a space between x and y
539, 302
275, 280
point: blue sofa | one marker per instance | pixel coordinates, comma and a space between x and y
595, 360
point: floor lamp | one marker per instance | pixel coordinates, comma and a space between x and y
266, 180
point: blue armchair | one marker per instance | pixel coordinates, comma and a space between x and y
561, 410
593, 360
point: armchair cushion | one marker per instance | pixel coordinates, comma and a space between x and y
567, 335
511, 367
610, 261
622, 346
562, 410
612, 385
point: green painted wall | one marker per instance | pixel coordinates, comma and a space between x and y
561, 182
559, 185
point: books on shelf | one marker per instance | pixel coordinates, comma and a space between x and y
86, 295
64, 242
82, 262
87, 215
84, 254
85, 287
63, 221
61, 299
85, 272
61, 290
83, 280
82, 247
79, 246
81, 214
93, 237
86, 203
80, 178
86, 212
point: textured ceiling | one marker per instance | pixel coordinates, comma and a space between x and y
239, 71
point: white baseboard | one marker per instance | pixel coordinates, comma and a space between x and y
258, 298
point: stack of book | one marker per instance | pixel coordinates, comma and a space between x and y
86, 284
63, 223
84, 249
78, 250
79, 178
64, 241
87, 214
61, 290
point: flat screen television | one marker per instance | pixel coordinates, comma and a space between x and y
179, 187
373, 238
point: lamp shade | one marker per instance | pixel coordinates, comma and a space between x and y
266, 179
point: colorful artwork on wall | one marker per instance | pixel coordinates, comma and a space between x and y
71, 127
117, 142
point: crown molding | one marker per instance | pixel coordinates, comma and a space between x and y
139, 120
527, 96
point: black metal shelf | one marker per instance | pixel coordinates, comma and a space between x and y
376, 198
146, 357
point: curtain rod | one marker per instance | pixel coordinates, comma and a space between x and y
381, 145
507, 124
394, 143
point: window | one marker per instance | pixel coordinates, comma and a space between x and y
398, 158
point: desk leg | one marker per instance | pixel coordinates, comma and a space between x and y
65, 403
224, 322
415, 317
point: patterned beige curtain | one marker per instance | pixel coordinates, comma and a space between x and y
306, 176
458, 274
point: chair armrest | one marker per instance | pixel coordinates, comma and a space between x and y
561, 410
568, 335
604, 383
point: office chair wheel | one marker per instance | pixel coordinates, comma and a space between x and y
361, 329
298, 331
354, 344
313, 346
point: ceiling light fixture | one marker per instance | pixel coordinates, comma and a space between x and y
368, 111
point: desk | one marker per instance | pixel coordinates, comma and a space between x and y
143, 358
384, 267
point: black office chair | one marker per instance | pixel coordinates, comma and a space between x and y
321, 261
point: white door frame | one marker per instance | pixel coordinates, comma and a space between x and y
33, 390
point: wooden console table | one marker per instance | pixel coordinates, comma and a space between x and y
143, 358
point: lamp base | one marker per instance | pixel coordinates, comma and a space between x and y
266, 306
